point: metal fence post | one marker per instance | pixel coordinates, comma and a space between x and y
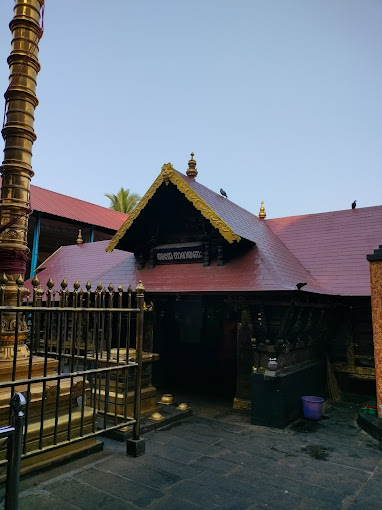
14, 453
136, 446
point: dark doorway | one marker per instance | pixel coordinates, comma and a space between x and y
196, 339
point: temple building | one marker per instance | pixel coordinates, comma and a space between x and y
232, 292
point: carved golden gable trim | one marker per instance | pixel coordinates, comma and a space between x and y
135, 213
215, 220
168, 174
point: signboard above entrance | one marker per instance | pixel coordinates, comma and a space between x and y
182, 253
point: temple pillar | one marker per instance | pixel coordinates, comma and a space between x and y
242, 399
376, 307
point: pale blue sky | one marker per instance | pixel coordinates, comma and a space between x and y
279, 99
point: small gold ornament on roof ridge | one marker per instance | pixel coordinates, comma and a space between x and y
167, 172
191, 171
79, 238
262, 213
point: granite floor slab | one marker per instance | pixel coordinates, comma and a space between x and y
217, 459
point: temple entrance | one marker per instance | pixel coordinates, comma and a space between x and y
195, 337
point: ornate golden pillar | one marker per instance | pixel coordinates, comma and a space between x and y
16, 169
376, 308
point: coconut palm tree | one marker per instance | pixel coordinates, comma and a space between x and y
123, 201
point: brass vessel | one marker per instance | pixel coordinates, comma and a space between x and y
183, 407
167, 399
156, 417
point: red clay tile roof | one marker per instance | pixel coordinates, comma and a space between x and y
241, 221
88, 261
56, 204
333, 246
251, 272
327, 250
50, 202
281, 266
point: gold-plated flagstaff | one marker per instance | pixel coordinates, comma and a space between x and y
16, 170
62, 408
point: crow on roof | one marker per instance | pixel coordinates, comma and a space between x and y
353, 206
223, 193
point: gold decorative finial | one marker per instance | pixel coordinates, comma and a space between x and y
167, 171
79, 238
262, 213
191, 171
140, 288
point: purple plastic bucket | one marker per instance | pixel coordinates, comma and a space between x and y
312, 407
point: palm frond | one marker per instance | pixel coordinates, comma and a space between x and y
123, 201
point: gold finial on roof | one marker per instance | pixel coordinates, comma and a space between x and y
262, 213
191, 171
79, 238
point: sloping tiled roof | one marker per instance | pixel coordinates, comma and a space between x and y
84, 262
234, 223
243, 223
50, 202
90, 262
326, 250
333, 246
281, 263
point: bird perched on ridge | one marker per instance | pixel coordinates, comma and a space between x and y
300, 285
353, 206
223, 193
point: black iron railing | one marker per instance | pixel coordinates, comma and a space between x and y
82, 372
13, 436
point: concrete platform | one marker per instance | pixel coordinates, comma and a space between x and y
217, 459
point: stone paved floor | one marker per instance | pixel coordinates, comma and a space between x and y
216, 459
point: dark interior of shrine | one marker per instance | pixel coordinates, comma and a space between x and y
195, 337
206, 347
